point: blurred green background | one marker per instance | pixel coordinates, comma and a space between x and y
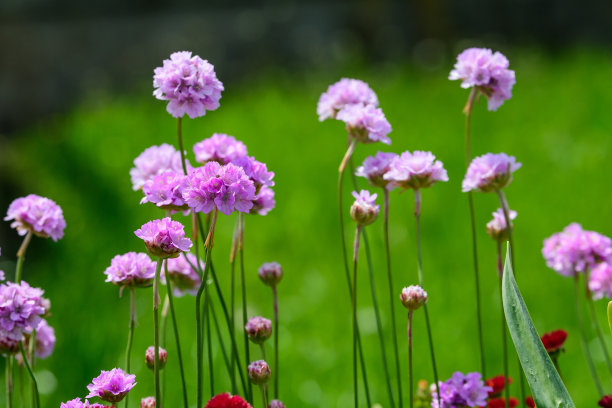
558, 124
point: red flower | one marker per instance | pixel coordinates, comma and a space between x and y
529, 402
606, 401
498, 384
554, 340
501, 402
226, 400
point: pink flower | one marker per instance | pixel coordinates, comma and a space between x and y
155, 160
490, 172
164, 238
600, 281
342, 93
111, 386
219, 147
40, 215
365, 123
415, 170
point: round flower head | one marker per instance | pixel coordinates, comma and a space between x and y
415, 170
7, 344
77, 403
461, 390
276, 404
150, 357
413, 297
131, 269
374, 168
226, 400
147, 402
490, 172
365, 123
45, 340
183, 277
264, 201
164, 238
600, 281
258, 329
189, 84
219, 147
553, 341
256, 171
39, 215
111, 386
259, 372
342, 93
364, 210
155, 160
165, 190
224, 187
496, 228
21, 309
270, 273
574, 250
488, 71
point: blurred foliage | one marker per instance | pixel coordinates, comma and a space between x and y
557, 124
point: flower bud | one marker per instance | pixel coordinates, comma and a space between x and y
496, 228
364, 210
259, 372
270, 273
150, 357
276, 404
413, 297
147, 402
258, 329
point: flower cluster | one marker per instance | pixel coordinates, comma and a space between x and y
111, 386
490, 172
496, 228
461, 390
226, 400
488, 71
413, 297
256, 171
219, 147
36, 214
155, 160
415, 170
131, 269
189, 84
164, 238
45, 340
600, 281
165, 190
21, 310
77, 403
258, 329
264, 202
343, 93
367, 123
553, 341
375, 167
183, 277
575, 250
364, 210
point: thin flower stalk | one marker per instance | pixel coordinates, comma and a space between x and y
275, 296
244, 298
500, 273
156, 332
21, 256
594, 319
131, 327
410, 376
354, 314
226, 359
232, 261
32, 377
8, 376
211, 376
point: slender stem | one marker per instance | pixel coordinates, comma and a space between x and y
555, 361
131, 326
220, 339
500, 272
162, 339
21, 256
410, 379
264, 395
594, 319
262, 347
8, 367
244, 300
179, 136
31, 373
391, 297
275, 296
506, 210
156, 332
354, 307
179, 354
207, 303
417, 216
232, 301
32, 355
583, 338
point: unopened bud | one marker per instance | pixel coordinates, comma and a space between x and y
276, 404
150, 357
364, 210
147, 402
413, 297
258, 329
270, 273
259, 372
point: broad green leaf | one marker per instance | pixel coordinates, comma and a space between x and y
546, 385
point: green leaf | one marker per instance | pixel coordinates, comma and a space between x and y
546, 385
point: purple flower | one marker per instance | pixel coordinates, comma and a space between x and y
183, 277
600, 281
131, 269
165, 190
189, 83
575, 250
111, 386
488, 71
490, 172
258, 329
270, 273
164, 238
365, 123
415, 170
264, 201
155, 160
364, 210
374, 168
342, 93
40, 215
225, 187
219, 147
259, 372
77, 403
413, 297
45, 339
21, 309
496, 228
7, 344
256, 171
147, 402
461, 390
276, 404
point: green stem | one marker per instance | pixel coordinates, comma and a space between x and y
275, 295
410, 379
32, 354
232, 302
220, 339
263, 351
21, 256
264, 395
354, 309
179, 136
31, 373
244, 300
156, 332
211, 376
594, 319
131, 326
500, 272
8, 367
162, 339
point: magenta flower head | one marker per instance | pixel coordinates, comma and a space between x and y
45, 340
276, 404
366, 123
147, 402
111, 386
258, 329
36, 214
490, 172
164, 238
374, 168
413, 297
184, 279
264, 201
155, 160
270, 273
342, 93
150, 357
575, 250
415, 170
21, 309
225, 187
259, 372
256, 171
488, 72
189, 84
165, 190
497, 228
131, 269
219, 147
364, 210
600, 281
461, 390
77, 403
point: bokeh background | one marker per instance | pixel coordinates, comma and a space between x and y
76, 109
